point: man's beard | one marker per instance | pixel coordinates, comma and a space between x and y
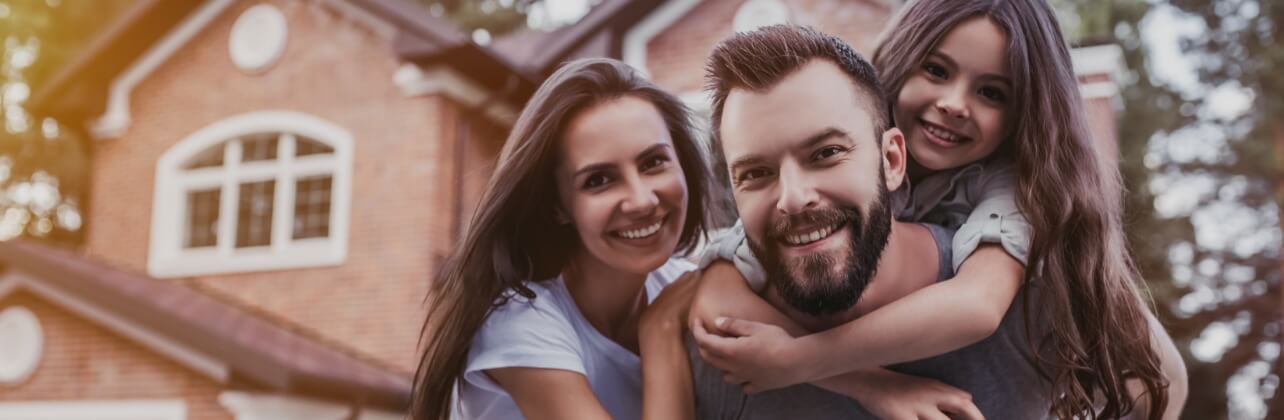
810, 283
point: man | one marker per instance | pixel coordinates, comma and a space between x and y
811, 160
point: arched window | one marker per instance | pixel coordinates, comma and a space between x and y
260, 191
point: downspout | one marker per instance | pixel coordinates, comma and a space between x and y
462, 133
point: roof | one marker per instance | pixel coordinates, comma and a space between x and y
79, 90
257, 351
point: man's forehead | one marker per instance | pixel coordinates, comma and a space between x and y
812, 100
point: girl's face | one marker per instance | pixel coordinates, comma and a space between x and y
952, 109
621, 186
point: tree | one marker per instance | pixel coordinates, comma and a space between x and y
43, 165
1202, 210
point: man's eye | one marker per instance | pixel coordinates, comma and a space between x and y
596, 180
936, 70
827, 152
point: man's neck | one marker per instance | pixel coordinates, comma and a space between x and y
909, 262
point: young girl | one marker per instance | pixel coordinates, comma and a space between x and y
540, 311
986, 96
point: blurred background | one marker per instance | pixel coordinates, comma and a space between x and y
1195, 94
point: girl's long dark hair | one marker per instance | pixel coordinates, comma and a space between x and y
512, 237
1099, 336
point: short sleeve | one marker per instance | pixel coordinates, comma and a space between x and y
524, 333
733, 246
995, 219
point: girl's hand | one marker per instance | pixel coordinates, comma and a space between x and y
895, 396
757, 356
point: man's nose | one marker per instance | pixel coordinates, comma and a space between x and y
797, 192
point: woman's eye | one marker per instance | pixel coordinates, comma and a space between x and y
827, 152
994, 94
653, 162
752, 174
596, 180
935, 70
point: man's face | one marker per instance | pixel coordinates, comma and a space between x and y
807, 171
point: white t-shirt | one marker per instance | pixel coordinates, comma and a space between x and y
550, 332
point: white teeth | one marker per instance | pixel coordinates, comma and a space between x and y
944, 135
642, 233
807, 238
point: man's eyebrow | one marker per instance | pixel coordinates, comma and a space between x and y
823, 135
743, 161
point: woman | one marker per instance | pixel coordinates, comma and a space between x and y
539, 313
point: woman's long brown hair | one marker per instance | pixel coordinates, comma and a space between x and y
1099, 336
512, 237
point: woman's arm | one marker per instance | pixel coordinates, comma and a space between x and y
1174, 369
667, 389
549, 393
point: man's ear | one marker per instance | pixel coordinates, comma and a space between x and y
895, 159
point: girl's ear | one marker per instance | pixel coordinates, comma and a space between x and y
560, 216
895, 159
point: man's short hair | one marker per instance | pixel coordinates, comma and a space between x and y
757, 60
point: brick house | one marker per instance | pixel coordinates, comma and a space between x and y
274, 182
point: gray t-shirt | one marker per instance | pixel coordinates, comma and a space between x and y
998, 371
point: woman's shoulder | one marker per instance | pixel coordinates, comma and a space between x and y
672, 269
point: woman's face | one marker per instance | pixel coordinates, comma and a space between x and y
953, 108
621, 186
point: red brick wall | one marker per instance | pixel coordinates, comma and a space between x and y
675, 57
82, 361
400, 219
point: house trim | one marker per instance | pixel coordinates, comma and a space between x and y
202, 363
636, 39
95, 410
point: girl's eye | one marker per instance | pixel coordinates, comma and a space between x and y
596, 180
653, 162
994, 94
827, 152
936, 70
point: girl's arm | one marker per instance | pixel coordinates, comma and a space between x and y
549, 393
887, 394
934, 320
1174, 369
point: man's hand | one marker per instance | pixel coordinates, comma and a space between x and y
895, 396
759, 357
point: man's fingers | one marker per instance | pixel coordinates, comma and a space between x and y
733, 327
712, 344
732, 379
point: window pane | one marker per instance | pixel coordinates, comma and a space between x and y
312, 208
254, 214
259, 147
202, 218
304, 146
210, 158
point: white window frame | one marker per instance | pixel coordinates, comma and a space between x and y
168, 258
94, 410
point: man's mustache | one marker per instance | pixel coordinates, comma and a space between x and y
780, 227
